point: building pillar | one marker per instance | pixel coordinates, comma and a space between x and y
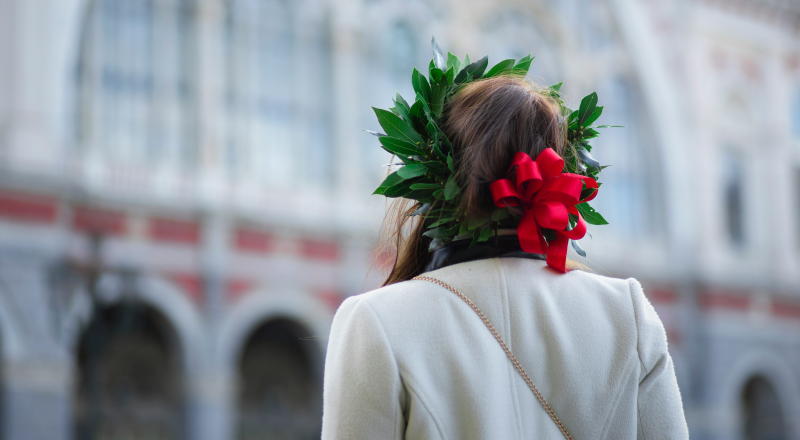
210, 395
211, 409
37, 400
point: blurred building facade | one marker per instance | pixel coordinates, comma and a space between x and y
184, 196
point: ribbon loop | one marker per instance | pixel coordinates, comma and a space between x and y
548, 197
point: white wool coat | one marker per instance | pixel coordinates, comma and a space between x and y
414, 361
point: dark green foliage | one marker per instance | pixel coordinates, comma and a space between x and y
413, 134
505, 66
400, 148
472, 71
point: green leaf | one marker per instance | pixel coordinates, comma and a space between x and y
441, 213
441, 222
396, 127
436, 102
572, 117
557, 87
431, 127
411, 171
463, 228
399, 99
398, 190
390, 181
403, 112
588, 133
439, 194
451, 188
418, 108
474, 70
588, 104
450, 164
433, 186
441, 232
422, 195
477, 222
501, 67
436, 76
523, 65
586, 192
420, 84
484, 233
453, 62
403, 109
449, 76
593, 117
445, 145
419, 124
590, 215
609, 126
424, 102
436, 167
500, 214
465, 63
400, 148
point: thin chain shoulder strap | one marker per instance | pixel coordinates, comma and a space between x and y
506, 349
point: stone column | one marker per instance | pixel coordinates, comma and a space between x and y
210, 406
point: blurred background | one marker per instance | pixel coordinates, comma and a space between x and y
185, 196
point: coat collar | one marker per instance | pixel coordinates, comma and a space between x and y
458, 251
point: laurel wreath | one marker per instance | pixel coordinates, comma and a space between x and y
413, 134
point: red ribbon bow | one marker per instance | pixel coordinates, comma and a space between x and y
548, 196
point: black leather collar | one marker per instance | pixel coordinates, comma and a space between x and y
458, 251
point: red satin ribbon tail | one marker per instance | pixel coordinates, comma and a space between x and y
557, 250
557, 253
530, 236
579, 231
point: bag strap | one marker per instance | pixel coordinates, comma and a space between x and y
506, 349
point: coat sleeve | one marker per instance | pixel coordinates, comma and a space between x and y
659, 400
363, 394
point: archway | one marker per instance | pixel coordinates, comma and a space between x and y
280, 383
762, 415
129, 376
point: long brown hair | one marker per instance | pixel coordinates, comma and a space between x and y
487, 121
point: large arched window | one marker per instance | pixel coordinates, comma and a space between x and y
135, 88
761, 411
280, 389
629, 199
129, 383
277, 93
